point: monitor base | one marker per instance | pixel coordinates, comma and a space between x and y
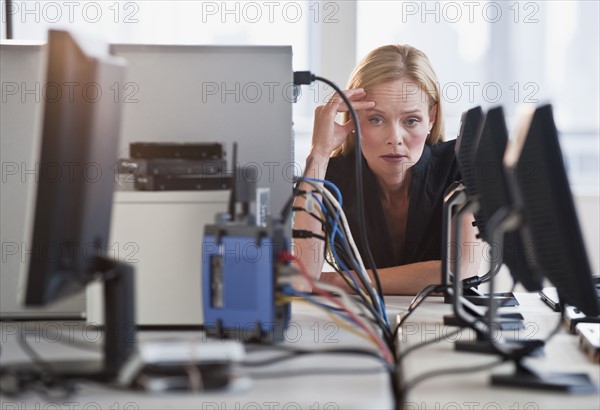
508, 322
483, 346
524, 377
503, 299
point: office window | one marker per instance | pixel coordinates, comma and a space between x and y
510, 53
169, 22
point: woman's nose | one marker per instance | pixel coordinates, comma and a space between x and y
396, 136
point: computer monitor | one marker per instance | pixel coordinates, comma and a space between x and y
70, 221
548, 225
491, 187
456, 201
466, 144
460, 192
539, 184
465, 148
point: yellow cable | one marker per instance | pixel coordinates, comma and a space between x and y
332, 316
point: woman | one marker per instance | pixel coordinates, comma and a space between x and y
406, 170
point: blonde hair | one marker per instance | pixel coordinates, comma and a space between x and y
394, 62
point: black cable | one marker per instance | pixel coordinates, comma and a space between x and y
343, 252
398, 378
375, 319
555, 330
287, 207
303, 233
44, 381
444, 372
382, 325
306, 77
418, 346
360, 298
333, 211
297, 353
359, 188
416, 302
348, 261
349, 371
312, 214
37, 360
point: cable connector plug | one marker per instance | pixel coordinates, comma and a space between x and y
302, 233
303, 77
286, 271
471, 282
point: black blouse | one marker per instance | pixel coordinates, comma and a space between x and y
435, 171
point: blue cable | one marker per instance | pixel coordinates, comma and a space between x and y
324, 306
337, 231
336, 190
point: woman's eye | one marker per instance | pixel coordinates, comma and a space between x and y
375, 120
412, 121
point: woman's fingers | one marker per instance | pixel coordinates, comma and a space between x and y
352, 93
337, 104
329, 134
357, 105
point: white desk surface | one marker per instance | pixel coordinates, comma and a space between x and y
473, 390
366, 384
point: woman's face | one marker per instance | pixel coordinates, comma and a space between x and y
394, 131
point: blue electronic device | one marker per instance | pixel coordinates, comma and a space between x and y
240, 264
241, 261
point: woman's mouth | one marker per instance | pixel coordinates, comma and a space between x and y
393, 158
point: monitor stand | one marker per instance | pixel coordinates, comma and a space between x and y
526, 377
502, 321
456, 196
504, 299
120, 336
486, 323
473, 295
481, 344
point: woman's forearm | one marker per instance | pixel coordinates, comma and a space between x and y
398, 280
310, 251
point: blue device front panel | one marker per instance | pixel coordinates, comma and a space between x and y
246, 278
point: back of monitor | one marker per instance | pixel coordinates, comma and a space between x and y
24, 90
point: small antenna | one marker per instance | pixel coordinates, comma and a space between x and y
232, 197
8, 12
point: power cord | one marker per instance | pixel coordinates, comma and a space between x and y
41, 378
416, 302
306, 78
